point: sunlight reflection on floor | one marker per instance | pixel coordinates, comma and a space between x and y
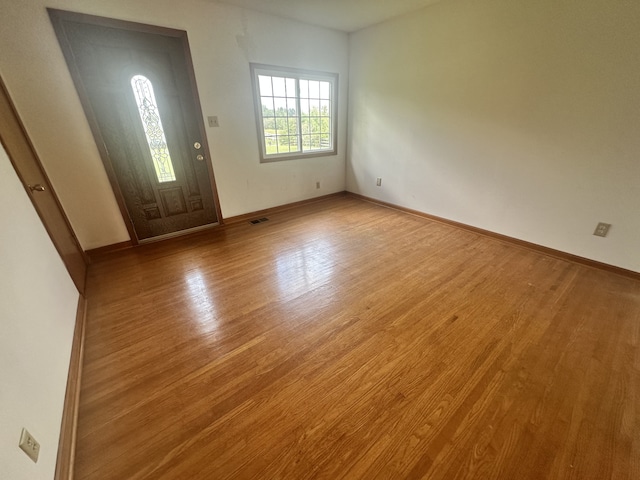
202, 303
305, 267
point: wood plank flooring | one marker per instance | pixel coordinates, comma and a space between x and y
344, 340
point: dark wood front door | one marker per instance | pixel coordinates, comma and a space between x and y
138, 90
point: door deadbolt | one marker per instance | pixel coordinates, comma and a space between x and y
197, 145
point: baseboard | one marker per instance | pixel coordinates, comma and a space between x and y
96, 252
281, 208
504, 238
230, 221
68, 428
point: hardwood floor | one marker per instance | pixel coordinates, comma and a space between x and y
346, 340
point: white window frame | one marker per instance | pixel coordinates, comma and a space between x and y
297, 74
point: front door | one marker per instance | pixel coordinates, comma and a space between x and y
138, 91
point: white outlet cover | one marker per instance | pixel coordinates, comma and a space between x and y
602, 229
29, 445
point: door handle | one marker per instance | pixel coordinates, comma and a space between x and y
36, 188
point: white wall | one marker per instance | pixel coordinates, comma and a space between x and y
38, 303
516, 116
223, 40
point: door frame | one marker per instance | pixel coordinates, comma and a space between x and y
57, 17
26, 163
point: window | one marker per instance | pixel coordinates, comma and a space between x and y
150, 117
295, 112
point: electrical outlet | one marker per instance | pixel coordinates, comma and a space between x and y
29, 445
378, 182
213, 121
317, 184
602, 229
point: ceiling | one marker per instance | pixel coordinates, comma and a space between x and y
345, 15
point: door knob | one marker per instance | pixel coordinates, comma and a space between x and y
197, 145
36, 188
200, 158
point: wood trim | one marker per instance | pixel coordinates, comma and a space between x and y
228, 222
114, 22
68, 429
281, 208
96, 252
504, 238
26, 162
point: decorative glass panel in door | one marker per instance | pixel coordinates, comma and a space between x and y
152, 124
